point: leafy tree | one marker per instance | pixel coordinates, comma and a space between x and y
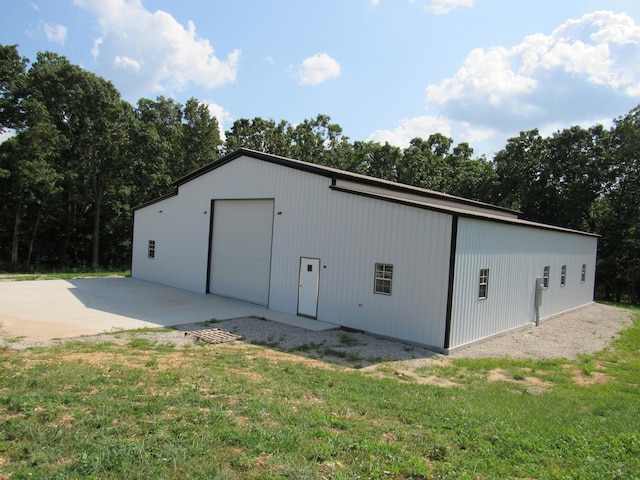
30, 182
201, 136
522, 175
618, 213
320, 141
381, 161
12, 78
261, 135
472, 178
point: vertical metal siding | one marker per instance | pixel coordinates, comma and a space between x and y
515, 256
348, 233
241, 249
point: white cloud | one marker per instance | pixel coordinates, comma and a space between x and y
223, 117
55, 33
585, 72
143, 52
126, 63
440, 7
422, 127
318, 69
584, 66
411, 128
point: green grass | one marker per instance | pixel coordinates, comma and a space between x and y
238, 411
64, 275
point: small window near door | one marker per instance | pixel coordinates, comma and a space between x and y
545, 277
563, 276
483, 288
151, 251
384, 276
583, 275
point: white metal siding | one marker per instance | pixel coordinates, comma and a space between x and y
436, 201
181, 235
348, 233
241, 249
515, 257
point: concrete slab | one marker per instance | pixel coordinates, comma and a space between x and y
47, 309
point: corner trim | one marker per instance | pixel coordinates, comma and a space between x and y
208, 286
452, 266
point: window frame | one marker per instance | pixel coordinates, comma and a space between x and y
545, 277
151, 250
383, 279
583, 273
483, 284
563, 276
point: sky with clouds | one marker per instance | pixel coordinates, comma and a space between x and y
479, 71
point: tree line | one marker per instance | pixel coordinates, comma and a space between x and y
82, 158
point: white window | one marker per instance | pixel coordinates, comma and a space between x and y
583, 275
563, 276
545, 277
151, 250
483, 287
384, 276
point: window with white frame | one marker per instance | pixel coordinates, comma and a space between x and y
563, 276
383, 278
545, 277
583, 275
151, 250
483, 286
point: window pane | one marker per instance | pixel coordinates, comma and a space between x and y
483, 287
383, 278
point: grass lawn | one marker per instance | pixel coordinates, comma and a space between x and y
65, 275
239, 411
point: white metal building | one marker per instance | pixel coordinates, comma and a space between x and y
368, 254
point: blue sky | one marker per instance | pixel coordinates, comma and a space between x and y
479, 71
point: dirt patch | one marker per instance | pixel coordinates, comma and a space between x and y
498, 375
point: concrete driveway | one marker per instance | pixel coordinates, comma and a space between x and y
47, 309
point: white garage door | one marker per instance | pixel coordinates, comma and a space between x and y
241, 249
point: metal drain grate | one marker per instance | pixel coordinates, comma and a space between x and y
214, 335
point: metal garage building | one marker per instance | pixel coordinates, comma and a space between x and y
385, 258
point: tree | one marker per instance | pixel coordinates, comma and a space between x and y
30, 182
577, 163
12, 79
380, 161
424, 164
319, 141
200, 137
157, 136
618, 213
261, 135
473, 178
87, 117
521, 176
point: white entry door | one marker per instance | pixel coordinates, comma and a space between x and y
308, 283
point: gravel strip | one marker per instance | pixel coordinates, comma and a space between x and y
582, 331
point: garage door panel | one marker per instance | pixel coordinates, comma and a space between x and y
241, 249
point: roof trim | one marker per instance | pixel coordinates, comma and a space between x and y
335, 173
156, 200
